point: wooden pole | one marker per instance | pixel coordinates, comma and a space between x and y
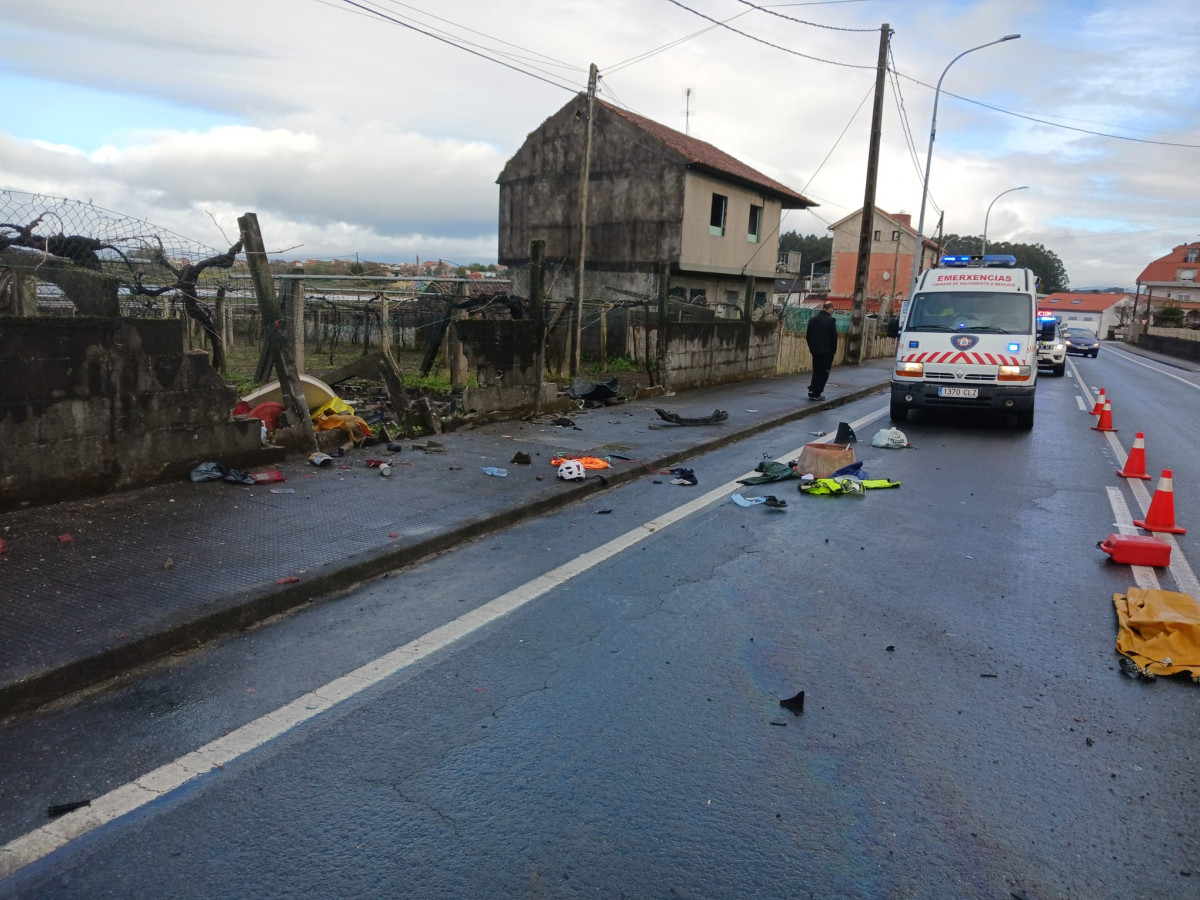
293, 290
537, 312
585, 170
854, 348
272, 313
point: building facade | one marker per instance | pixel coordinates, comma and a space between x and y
890, 273
655, 197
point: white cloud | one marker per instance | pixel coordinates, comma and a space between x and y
355, 135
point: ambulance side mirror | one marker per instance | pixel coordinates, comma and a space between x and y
893, 327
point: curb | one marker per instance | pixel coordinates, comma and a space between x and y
254, 606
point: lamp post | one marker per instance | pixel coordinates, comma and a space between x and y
929, 154
983, 241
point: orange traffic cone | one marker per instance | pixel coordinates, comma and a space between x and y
1105, 418
1135, 463
1161, 516
1099, 407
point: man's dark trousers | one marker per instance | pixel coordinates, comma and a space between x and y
822, 363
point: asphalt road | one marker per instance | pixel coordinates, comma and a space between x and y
588, 705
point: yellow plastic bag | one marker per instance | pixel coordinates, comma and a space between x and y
1159, 630
336, 405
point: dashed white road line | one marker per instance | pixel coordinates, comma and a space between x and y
214, 756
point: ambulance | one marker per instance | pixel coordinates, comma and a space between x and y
968, 339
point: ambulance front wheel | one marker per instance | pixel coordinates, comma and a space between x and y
1025, 418
899, 412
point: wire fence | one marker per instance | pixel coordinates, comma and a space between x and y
125, 266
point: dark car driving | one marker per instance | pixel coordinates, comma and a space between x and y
1082, 341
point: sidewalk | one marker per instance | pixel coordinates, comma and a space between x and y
93, 588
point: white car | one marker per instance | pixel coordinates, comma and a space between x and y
1052, 349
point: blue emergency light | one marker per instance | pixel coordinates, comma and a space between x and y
992, 260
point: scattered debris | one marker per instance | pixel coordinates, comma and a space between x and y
214, 471
521, 458
61, 809
770, 501
718, 415
603, 512
655, 391
271, 476
845, 434
890, 439
320, 459
66, 539
385, 470
394, 446
3, 546
794, 704
287, 579
589, 390
283, 490
169, 564
497, 472
988, 675
563, 422
890, 648
571, 470
684, 476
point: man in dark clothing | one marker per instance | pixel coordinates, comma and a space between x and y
822, 341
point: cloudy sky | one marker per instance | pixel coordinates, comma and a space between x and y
350, 133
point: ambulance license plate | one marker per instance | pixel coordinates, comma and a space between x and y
970, 393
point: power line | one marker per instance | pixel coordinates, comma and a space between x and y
548, 59
1014, 113
768, 43
395, 21
667, 46
906, 126
802, 21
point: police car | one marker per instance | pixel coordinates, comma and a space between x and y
1051, 347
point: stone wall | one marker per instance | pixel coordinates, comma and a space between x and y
1180, 346
94, 404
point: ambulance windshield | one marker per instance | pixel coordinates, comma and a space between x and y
980, 311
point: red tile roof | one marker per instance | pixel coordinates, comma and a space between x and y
1164, 268
706, 156
1080, 302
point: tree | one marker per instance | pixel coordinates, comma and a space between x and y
1052, 275
813, 248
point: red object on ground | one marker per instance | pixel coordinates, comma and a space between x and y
1099, 407
1136, 550
373, 463
1161, 515
1135, 463
287, 579
1105, 418
66, 539
268, 477
3, 547
269, 413
242, 409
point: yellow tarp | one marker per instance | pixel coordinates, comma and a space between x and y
352, 425
1159, 630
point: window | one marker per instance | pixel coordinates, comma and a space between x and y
1185, 298
716, 218
876, 235
698, 296
1192, 255
731, 298
760, 299
896, 235
1186, 275
754, 228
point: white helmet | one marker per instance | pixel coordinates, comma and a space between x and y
572, 470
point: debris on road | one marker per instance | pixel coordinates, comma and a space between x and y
496, 472
214, 471
521, 458
718, 415
794, 704
684, 476
1158, 632
890, 439
61, 809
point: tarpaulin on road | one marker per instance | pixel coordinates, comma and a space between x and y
1159, 630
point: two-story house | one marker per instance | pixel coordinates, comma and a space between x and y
1171, 281
655, 196
890, 271
1102, 313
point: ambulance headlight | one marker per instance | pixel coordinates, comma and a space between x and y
910, 369
1013, 373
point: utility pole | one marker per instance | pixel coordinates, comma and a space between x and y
584, 173
854, 348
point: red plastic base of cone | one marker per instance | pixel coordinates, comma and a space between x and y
1140, 523
1125, 474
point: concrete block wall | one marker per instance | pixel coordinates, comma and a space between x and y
88, 405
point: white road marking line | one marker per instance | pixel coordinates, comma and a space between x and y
1083, 407
1181, 569
41, 842
1143, 575
1145, 365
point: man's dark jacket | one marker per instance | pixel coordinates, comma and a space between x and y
822, 335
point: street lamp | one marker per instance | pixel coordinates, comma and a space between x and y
983, 242
929, 155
